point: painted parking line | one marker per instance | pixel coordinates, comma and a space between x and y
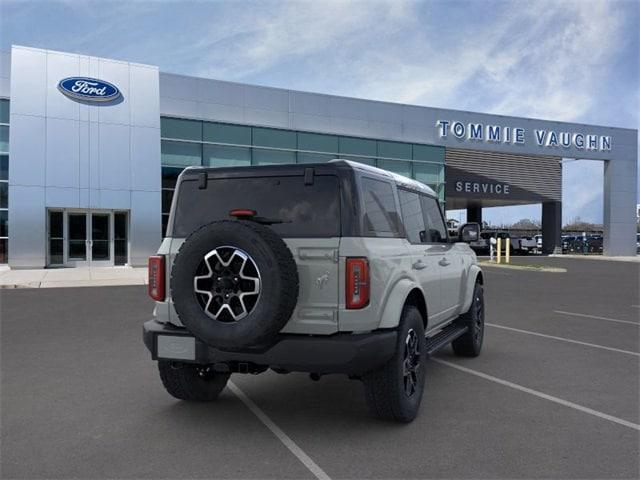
562, 339
608, 319
538, 394
277, 431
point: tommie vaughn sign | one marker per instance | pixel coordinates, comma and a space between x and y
88, 89
478, 132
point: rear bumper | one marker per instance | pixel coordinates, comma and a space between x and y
340, 353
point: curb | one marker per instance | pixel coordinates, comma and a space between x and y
524, 267
635, 259
74, 284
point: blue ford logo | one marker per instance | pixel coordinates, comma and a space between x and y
89, 89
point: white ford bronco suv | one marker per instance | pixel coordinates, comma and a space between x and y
322, 268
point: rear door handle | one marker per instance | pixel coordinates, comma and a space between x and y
419, 265
444, 262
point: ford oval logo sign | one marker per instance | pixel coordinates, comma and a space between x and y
88, 89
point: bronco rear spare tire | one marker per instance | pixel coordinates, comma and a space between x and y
234, 284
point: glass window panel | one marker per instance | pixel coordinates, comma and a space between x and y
412, 217
4, 139
4, 167
77, 227
4, 194
314, 157
77, 250
56, 252
167, 195
165, 222
436, 229
222, 156
100, 250
317, 143
170, 176
440, 191
225, 133
120, 252
4, 111
99, 226
381, 218
428, 153
358, 146
179, 153
394, 150
178, 128
271, 137
120, 226
428, 173
271, 157
4, 250
120, 242
4, 223
55, 225
400, 167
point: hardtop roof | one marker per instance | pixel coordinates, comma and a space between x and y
298, 169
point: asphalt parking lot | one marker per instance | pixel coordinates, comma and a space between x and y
555, 394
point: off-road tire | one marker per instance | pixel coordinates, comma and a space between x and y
190, 382
385, 388
470, 343
279, 284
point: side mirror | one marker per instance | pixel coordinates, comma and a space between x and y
470, 232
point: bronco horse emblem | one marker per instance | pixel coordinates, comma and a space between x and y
322, 280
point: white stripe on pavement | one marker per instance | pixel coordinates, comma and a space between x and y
277, 431
602, 347
608, 319
538, 394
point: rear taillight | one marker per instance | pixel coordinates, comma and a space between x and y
156, 277
357, 283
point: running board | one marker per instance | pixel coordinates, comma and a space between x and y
444, 337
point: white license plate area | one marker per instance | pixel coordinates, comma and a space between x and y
176, 347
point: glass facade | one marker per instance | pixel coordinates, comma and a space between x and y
4, 180
194, 142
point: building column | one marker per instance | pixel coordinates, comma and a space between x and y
474, 214
620, 198
551, 227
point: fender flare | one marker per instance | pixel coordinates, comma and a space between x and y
475, 273
396, 300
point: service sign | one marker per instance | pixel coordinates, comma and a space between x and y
88, 89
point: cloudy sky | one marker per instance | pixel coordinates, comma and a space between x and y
561, 60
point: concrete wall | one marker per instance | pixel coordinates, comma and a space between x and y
620, 198
70, 154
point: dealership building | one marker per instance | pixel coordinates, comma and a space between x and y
90, 149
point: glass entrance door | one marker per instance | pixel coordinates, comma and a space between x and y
100, 241
77, 239
87, 238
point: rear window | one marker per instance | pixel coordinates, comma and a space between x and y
304, 210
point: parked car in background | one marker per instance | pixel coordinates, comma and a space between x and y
528, 244
582, 244
538, 247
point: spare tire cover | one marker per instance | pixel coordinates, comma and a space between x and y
234, 284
